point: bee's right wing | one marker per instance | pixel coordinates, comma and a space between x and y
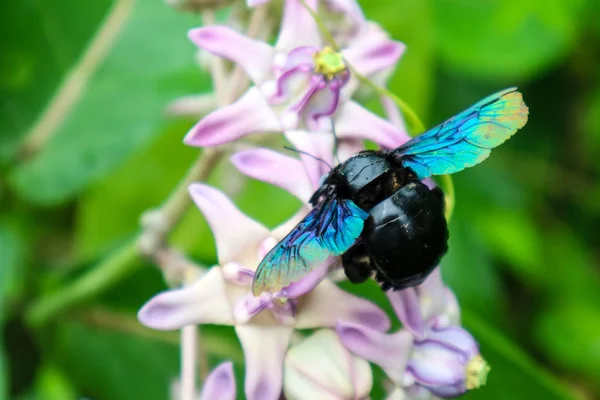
467, 138
330, 228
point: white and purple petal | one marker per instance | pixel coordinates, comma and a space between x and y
298, 28
264, 350
275, 168
234, 232
204, 302
407, 306
248, 115
220, 383
254, 56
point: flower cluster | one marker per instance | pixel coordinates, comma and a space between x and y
301, 87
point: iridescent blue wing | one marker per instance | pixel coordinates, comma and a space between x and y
467, 138
330, 228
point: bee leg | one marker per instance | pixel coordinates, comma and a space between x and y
357, 264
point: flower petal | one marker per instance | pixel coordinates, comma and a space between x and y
250, 114
254, 56
204, 302
327, 304
298, 28
408, 309
320, 146
306, 284
269, 166
349, 147
390, 352
220, 384
249, 305
234, 232
393, 114
264, 349
354, 121
350, 8
320, 367
373, 51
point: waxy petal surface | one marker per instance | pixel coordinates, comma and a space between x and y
220, 384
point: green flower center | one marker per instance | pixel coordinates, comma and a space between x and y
476, 372
329, 63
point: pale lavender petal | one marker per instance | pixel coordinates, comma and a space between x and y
319, 146
341, 306
350, 8
432, 294
220, 384
288, 84
349, 147
298, 28
284, 313
434, 364
306, 284
303, 55
322, 103
254, 56
204, 302
320, 367
272, 167
354, 121
373, 52
456, 338
389, 351
264, 350
408, 309
250, 114
234, 232
280, 231
249, 306
394, 115
237, 274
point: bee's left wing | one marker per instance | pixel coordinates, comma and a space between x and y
330, 228
467, 138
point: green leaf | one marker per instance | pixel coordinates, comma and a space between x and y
121, 109
116, 366
568, 334
3, 373
513, 374
410, 23
110, 210
41, 40
11, 258
506, 39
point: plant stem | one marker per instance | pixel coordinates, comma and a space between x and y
189, 351
110, 271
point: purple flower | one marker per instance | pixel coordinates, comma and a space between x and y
220, 384
298, 82
320, 367
431, 355
263, 324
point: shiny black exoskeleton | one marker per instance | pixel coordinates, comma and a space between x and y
406, 233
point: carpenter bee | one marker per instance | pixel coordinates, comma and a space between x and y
375, 212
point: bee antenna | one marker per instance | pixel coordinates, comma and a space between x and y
336, 141
308, 154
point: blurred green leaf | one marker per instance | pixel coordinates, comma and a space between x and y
121, 109
11, 263
569, 334
411, 24
505, 39
3, 373
54, 384
468, 270
110, 210
116, 366
41, 40
513, 375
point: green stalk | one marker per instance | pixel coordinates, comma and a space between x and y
104, 275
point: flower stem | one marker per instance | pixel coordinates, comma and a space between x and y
107, 273
189, 351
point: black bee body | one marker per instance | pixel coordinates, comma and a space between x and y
406, 233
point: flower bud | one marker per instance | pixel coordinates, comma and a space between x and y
320, 367
447, 362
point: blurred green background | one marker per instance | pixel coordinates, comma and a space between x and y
524, 247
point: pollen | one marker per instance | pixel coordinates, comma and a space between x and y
329, 63
476, 372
